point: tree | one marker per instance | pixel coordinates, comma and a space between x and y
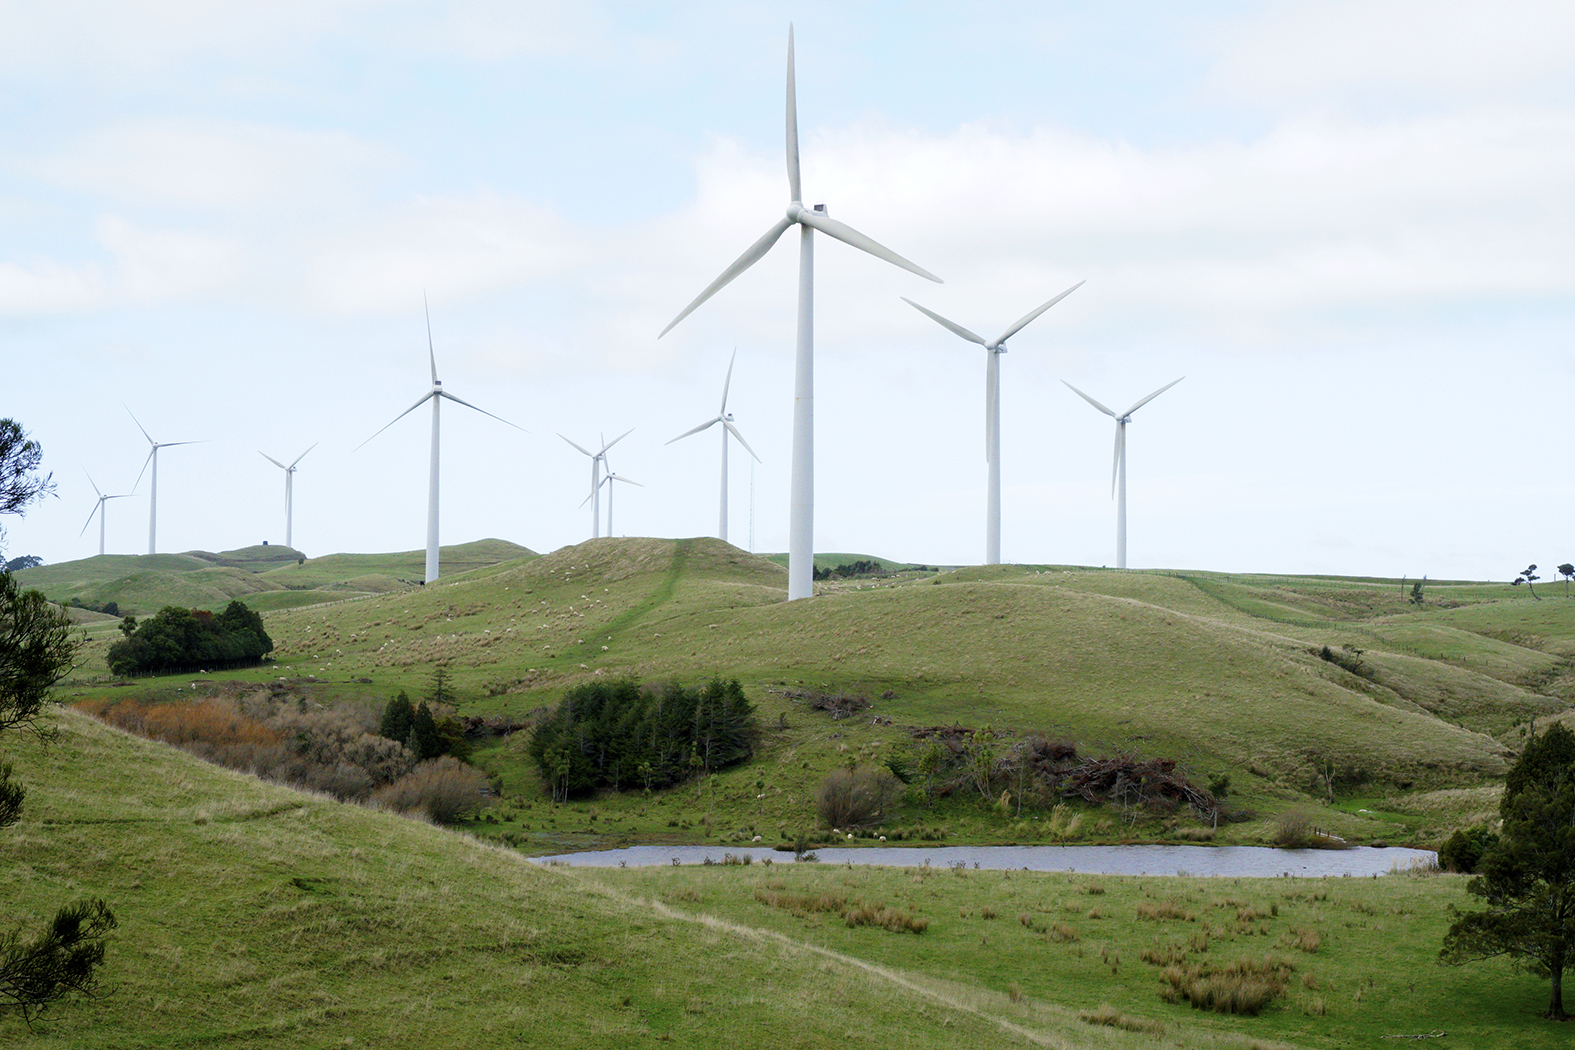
397, 719
37, 649
1527, 877
1528, 576
1567, 571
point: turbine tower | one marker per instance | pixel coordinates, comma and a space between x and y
153, 486
1118, 468
801, 526
289, 502
598, 458
436, 396
992, 412
98, 508
723, 417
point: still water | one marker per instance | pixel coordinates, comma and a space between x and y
1201, 861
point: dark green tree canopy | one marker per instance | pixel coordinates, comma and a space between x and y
1527, 878
176, 639
624, 734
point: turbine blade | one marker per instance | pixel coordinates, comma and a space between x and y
144, 469
848, 235
944, 323
139, 425
303, 455
620, 477
431, 353
93, 483
1018, 327
731, 429
751, 256
424, 399
270, 459
588, 452
1115, 462
473, 408
587, 499
697, 429
1151, 397
792, 126
96, 508
728, 382
1090, 400
617, 439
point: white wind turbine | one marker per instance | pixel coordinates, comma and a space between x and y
801, 526
597, 459
436, 396
607, 479
153, 485
992, 411
289, 502
98, 508
1118, 468
725, 418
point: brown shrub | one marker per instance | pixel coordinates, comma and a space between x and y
442, 788
1245, 986
858, 798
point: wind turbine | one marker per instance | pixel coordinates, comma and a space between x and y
1118, 468
98, 509
153, 485
436, 396
289, 478
597, 459
801, 526
725, 418
992, 412
607, 480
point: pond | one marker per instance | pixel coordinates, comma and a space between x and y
1200, 861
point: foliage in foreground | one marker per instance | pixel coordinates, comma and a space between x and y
64, 958
1528, 876
177, 639
624, 734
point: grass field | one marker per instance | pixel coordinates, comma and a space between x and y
253, 915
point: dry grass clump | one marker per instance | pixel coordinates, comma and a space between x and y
1159, 911
853, 914
1164, 955
1244, 986
893, 919
1303, 939
1110, 1017
1061, 933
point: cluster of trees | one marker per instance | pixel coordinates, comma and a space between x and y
37, 649
1529, 576
176, 639
414, 726
624, 734
861, 567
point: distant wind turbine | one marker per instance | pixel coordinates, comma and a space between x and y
992, 411
723, 417
801, 526
1118, 468
598, 458
289, 503
98, 508
607, 480
436, 396
153, 485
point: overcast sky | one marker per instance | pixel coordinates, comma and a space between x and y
1350, 225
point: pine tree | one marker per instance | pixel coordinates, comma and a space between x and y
398, 717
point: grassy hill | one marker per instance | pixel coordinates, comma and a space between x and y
252, 915
266, 577
1285, 684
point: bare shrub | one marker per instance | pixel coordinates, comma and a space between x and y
858, 798
442, 788
1293, 827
